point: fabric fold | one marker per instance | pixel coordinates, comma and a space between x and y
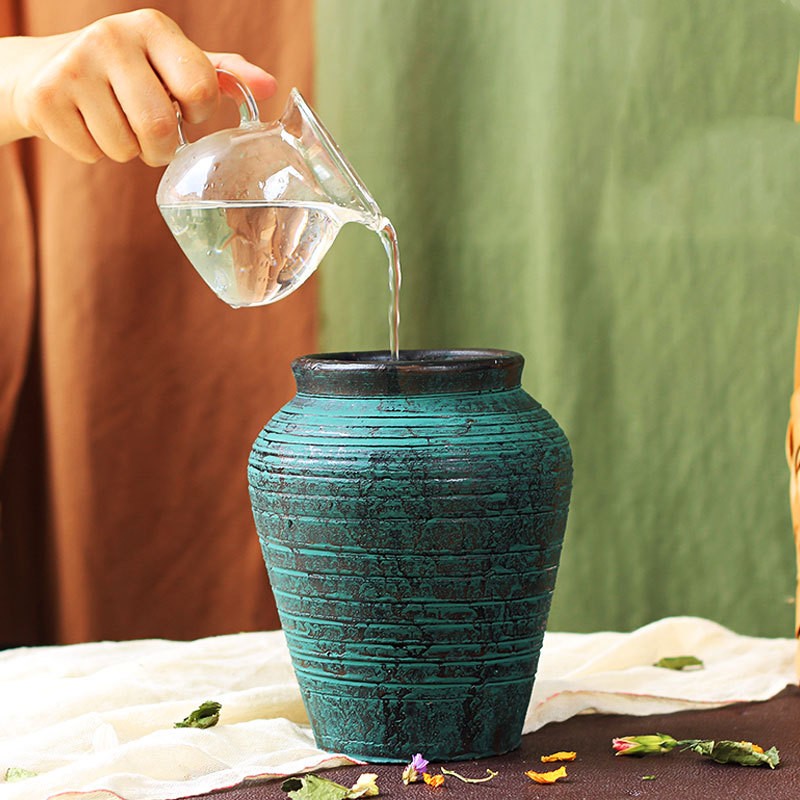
96, 720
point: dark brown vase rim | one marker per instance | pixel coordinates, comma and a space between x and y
451, 359
415, 372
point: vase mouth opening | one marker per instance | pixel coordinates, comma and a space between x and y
414, 372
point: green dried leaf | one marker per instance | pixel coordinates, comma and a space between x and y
728, 752
679, 662
310, 787
489, 776
18, 774
773, 757
205, 716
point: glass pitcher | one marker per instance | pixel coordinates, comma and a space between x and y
255, 208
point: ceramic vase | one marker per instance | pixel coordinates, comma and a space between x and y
411, 515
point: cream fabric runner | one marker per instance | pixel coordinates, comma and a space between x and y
95, 720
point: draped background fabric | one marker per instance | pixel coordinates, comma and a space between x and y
611, 187
130, 395
608, 186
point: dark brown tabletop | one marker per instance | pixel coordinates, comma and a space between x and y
597, 774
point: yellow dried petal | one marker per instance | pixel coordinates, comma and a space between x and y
365, 786
561, 755
547, 777
433, 780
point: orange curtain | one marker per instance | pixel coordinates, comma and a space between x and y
129, 394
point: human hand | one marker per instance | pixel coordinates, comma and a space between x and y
107, 89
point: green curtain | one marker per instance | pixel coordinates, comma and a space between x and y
612, 188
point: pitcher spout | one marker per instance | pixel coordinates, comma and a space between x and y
337, 179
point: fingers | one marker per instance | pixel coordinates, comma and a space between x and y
182, 67
148, 110
153, 62
71, 135
108, 126
108, 89
261, 83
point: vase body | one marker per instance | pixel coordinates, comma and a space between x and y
411, 515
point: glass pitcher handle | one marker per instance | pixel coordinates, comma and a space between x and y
233, 86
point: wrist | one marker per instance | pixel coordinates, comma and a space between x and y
23, 58
12, 50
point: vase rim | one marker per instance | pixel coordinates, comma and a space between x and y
415, 372
455, 359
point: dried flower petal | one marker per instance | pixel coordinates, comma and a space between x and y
434, 781
561, 755
365, 786
547, 777
414, 770
419, 763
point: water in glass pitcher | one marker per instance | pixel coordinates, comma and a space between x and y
249, 254
252, 254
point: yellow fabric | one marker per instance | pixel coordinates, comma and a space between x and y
793, 459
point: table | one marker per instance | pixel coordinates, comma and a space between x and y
597, 774
99, 717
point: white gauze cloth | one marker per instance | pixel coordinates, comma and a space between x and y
96, 720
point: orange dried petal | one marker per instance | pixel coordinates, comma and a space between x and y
547, 777
561, 755
433, 781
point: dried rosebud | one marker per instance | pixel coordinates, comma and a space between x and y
643, 745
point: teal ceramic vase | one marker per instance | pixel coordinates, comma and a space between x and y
411, 515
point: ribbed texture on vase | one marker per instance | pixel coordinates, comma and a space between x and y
412, 543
